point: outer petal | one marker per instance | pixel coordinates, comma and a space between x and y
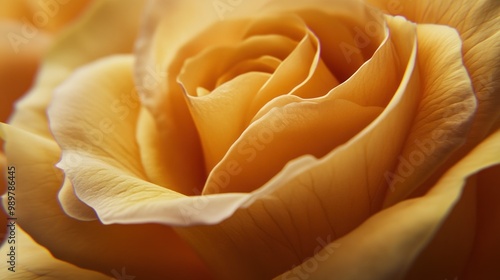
35, 262
445, 113
483, 262
477, 22
78, 45
20, 60
146, 250
385, 245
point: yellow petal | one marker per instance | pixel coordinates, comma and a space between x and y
477, 22
72, 205
327, 121
53, 15
169, 37
90, 245
223, 115
385, 245
445, 113
76, 46
32, 261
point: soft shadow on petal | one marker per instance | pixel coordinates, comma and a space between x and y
72, 205
79, 44
20, 60
385, 245
159, 254
483, 262
96, 139
36, 262
452, 244
445, 112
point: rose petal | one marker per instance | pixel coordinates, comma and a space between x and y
80, 44
477, 22
451, 245
13, 10
385, 245
445, 112
35, 262
482, 263
89, 245
72, 205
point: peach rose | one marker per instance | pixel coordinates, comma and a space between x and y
325, 139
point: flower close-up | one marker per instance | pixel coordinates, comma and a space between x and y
264, 139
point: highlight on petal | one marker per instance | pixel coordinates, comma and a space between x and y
72, 206
103, 162
400, 232
89, 245
32, 261
445, 114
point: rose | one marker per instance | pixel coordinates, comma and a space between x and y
335, 214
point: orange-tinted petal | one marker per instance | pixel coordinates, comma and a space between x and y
445, 114
385, 246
